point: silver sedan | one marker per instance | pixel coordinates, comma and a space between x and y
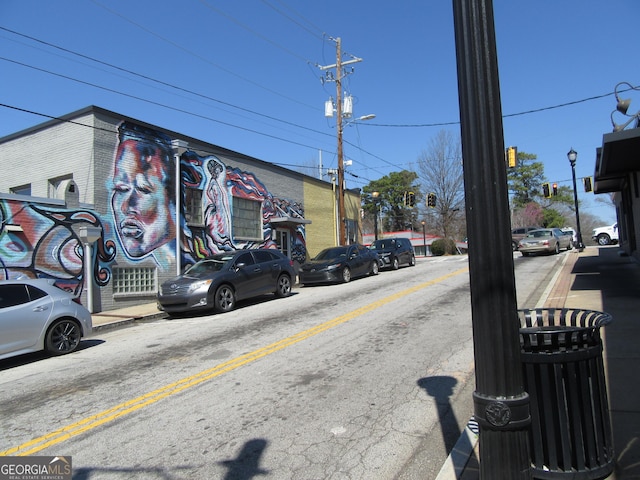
36, 315
545, 240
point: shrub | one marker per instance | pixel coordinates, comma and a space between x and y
443, 246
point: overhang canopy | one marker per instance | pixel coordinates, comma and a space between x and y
619, 155
289, 221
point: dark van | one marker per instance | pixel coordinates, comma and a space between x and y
394, 252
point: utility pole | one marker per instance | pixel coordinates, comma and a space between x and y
338, 79
341, 213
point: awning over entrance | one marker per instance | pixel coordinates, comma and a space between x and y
289, 221
619, 155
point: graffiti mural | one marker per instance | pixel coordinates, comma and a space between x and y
140, 216
220, 186
48, 245
143, 193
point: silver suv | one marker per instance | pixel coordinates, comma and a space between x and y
394, 252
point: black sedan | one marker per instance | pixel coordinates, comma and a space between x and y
219, 281
339, 264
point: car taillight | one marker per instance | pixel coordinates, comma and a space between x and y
77, 300
291, 263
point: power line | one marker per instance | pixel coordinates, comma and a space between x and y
200, 57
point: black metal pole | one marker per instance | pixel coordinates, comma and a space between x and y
501, 406
375, 220
424, 238
572, 159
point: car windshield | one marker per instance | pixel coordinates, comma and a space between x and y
209, 265
382, 244
331, 253
539, 233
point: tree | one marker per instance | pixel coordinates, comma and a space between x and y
440, 167
392, 190
525, 181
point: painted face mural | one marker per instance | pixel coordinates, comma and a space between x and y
142, 198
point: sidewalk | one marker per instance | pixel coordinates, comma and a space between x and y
599, 278
120, 317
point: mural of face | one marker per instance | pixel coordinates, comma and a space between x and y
142, 203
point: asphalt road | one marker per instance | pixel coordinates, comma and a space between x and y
366, 380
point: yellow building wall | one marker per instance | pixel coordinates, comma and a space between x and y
320, 207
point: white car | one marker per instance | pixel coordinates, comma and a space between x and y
606, 235
36, 315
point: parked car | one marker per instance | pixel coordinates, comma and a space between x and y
518, 234
339, 264
570, 231
394, 252
218, 282
545, 240
606, 235
36, 315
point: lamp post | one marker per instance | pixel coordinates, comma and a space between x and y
424, 237
375, 196
572, 156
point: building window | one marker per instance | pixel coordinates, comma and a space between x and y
21, 190
193, 206
247, 219
134, 280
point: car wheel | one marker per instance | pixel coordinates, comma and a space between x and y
346, 275
375, 268
62, 337
525, 254
395, 264
225, 298
283, 288
604, 239
412, 262
514, 246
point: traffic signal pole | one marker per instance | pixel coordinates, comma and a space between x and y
501, 406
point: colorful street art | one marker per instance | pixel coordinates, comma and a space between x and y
143, 193
49, 246
141, 220
220, 186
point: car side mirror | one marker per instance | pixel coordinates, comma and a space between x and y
240, 265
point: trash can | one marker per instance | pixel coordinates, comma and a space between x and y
561, 354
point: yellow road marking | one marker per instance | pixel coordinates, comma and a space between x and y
65, 433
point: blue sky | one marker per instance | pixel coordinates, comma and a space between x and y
245, 75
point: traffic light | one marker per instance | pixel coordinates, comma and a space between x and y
587, 184
512, 157
409, 199
431, 200
555, 189
546, 191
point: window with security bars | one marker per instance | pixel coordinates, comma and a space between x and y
247, 219
132, 280
193, 206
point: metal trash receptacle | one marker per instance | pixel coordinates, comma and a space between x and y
561, 355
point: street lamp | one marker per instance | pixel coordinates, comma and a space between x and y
375, 196
424, 237
572, 156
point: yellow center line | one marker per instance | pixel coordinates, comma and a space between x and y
86, 424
